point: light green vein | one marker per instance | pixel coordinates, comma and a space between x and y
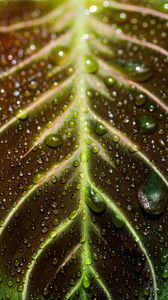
112, 206
100, 282
54, 234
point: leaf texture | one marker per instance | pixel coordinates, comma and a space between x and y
84, 148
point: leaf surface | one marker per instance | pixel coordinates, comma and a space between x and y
84, 148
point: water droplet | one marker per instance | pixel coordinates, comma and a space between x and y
140, 100
152, 195
90, 64
138, 71
146, 292
117, 221
100, 129
22, 115
110, 81
53, 141
88, 261
59, 55
73, 215
165, 274
38, 178
164, 259
86, 282
146, 124
54, 179
95, 149
94, 201
20, 288
10, 283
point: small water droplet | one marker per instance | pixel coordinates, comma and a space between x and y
94, 201
110, 81
165, 274
146, 124
53, 141
22, 115
38, 178
95, 150
152, 196
164, 259
140, 100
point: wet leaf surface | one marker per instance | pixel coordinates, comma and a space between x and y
84, 149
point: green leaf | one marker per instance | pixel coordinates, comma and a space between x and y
84, 149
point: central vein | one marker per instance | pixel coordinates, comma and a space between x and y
81, 47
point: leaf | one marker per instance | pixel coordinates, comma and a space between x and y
83, 129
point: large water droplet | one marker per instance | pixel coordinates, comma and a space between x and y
86, 282
94, 201
53, 141
100, 129
59, 55
117, 221
138, 71
90, 64
152, 195
146, 124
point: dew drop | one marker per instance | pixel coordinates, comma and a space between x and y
10, 283
94, 201
20, 288
138, 71
22, 115
59, 55
38, 178
117, 221
86, 282
164, 259
95, 150
152, 196
100, 129
110, 81
140, 100
53, 141
88, 261
146, 124
165, 274
90, 64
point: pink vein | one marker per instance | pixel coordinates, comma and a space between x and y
67, 259
45, 50
108, 30
139, 9
126, 81
31, 23
42, 99
102, 152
